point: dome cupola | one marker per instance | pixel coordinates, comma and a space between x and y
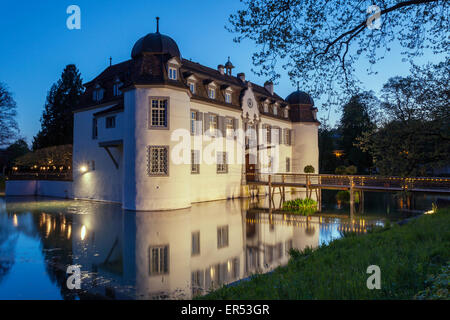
155, 43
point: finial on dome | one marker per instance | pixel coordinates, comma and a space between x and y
157, 24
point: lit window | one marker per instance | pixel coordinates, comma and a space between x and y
228, 97
222, 163
158, 160
158, 113
268, 134
222, 237
159, 260
193, 122
172, 73
287, 136
192, 87
195, 243
195, 161
211, 93
229, 127
110, 122
213, 123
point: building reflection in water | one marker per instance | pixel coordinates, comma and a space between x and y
165, 255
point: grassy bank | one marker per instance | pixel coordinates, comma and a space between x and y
407, 255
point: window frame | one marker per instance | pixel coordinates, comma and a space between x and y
195, 253
213, 90
166, 268
149, 163
111, 125
172, 72
228, 97
222, 168
94, 128
195, 154
220, 242
150, 124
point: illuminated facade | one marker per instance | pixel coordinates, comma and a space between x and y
130, 131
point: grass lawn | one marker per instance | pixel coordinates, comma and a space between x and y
407, 255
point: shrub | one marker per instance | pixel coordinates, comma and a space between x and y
344, 196
303, 206
309, 169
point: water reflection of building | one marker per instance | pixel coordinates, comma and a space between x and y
170, 254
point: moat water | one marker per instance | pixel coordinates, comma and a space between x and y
165, 255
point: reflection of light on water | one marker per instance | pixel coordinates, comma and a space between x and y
49, 227
69, 231
15, 222
83, 232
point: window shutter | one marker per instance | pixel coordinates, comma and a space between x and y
291, 137
235, 126
206, 118
199, 127
221, 125
280, 136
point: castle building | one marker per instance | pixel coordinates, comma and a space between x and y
131, 128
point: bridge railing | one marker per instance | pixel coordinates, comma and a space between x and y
357, 181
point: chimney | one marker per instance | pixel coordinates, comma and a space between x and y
241, 76
269, 87
221, 68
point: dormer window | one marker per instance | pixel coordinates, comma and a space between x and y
211, 93
116, 87
172, 73
227, 97
275, 110
266, 107
192, 87
286, 112
97, 94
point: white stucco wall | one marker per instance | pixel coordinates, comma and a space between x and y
105, 181
141, 191
59, 189
305, 148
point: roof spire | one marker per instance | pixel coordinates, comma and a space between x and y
110, 61
298, 85
157, 24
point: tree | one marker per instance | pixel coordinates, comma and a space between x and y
356, 118
8, 112
57, 118
327, 160
319, 41
415, 138
17, 149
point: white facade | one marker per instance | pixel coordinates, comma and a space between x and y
137, 149
130, 183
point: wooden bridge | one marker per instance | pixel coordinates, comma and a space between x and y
316, 182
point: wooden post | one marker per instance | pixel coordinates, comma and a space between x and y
352, 198
361, 201
270, 191
307, 186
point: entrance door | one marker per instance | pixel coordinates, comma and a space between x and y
250, 169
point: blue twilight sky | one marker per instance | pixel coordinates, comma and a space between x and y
36, 45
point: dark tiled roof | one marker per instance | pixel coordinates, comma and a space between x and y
117, 108
152, 69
